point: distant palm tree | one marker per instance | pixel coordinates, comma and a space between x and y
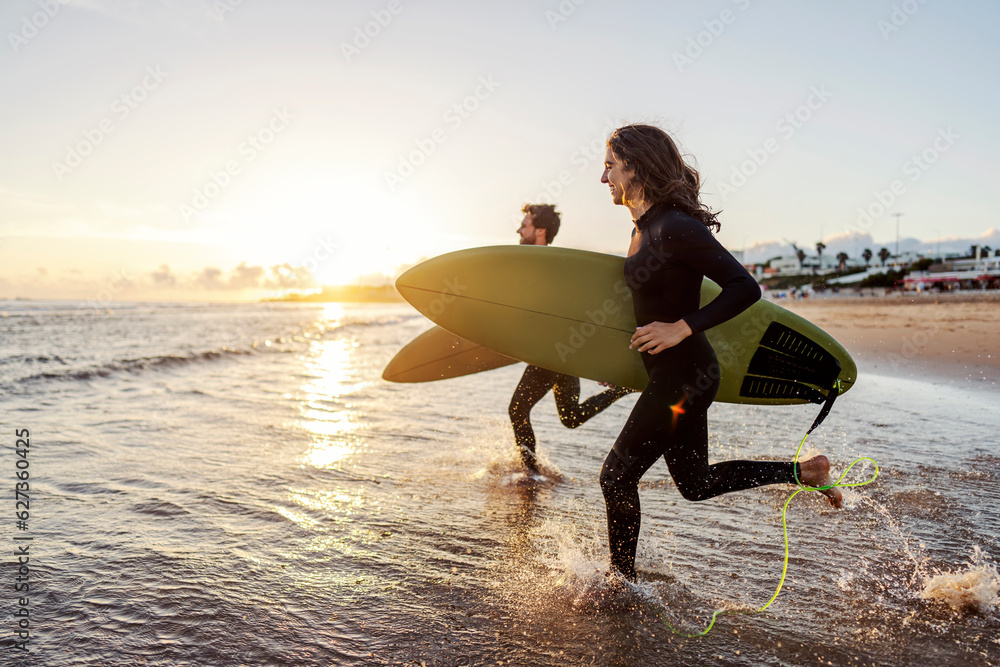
819, 252
842, 260
884, 254
801, 254
867, 254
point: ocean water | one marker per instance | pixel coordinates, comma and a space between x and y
236, 485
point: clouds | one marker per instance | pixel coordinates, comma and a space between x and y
241, 278
163, 278
317, 195
209, 283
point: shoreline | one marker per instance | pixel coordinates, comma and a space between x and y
896, 298
950, 337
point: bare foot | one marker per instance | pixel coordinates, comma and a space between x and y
614, 592
528, 459
816, 472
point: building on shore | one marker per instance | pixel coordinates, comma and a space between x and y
974, 273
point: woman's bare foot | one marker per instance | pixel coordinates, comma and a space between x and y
816, 472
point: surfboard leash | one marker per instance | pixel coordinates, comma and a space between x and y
784, 514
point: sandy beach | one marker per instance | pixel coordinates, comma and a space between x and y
951, 336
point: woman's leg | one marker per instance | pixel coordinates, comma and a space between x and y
670, 420
639, 445
686, 455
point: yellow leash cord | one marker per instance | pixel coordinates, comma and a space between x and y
784, 526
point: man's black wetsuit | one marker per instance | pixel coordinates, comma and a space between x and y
535, 383
670, 418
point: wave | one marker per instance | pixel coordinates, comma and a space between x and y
32, 359
257, 332
138, 365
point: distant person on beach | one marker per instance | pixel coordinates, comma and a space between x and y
539, 227
671, 250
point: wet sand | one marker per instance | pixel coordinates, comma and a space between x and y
953, 337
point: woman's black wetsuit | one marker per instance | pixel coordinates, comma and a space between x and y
670, 418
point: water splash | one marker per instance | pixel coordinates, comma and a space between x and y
503, 467
973, 589
915, 555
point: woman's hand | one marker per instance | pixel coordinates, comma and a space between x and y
656, 337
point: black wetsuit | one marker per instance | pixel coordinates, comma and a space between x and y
670, 418
534, 384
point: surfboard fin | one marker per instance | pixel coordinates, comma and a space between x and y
789, 365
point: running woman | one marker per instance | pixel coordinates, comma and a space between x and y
672, 249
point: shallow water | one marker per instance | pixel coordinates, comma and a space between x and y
236, 485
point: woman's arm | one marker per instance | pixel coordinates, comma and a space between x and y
694, 245
703, 253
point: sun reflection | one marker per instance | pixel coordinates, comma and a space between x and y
326, 454
326, 422
325, 414
329, 370
300, 518
332, 502
333, 313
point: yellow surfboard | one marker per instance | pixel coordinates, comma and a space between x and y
437, 354
571, 311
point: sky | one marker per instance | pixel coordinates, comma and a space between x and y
219, 150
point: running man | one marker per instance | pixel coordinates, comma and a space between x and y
539, 227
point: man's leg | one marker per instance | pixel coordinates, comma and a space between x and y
534, 384
571, 411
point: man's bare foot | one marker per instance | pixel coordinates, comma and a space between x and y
528, 459
816, 472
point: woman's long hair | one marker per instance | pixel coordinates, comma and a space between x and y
660, 171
